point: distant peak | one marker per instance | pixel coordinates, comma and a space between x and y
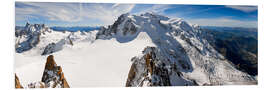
37, 25
27, 24
148, 14
125, 14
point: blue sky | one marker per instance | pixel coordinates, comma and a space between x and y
93, 14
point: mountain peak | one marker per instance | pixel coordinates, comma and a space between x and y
128, 25
35, 27
154, 16
27, 24
32, 33
179, 45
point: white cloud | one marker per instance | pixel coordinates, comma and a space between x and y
72, 12
107, 14
52, 11
227, 22
156, 8
159, 8
243, 8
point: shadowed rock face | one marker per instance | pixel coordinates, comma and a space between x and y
53, 75
17, 82
50, 48
129, 28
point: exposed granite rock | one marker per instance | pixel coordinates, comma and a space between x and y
17, 82
53, 75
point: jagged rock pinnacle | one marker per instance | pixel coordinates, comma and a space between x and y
53, 75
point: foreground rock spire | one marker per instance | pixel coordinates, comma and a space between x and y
53, 77
17, 82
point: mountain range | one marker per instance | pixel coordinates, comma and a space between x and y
136, 50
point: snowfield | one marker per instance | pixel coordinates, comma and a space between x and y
104, 63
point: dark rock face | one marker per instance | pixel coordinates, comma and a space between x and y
118, 22
128, 28
103, 33
17, 82
131, 75
53, 75
162, 73
50, 48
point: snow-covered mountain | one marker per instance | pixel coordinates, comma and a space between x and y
181, 56
40, 39
136, 50
29, 37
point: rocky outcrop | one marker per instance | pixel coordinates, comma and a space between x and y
153, 70
54, 47
50, 48
17, 82
53, 75
123, 26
